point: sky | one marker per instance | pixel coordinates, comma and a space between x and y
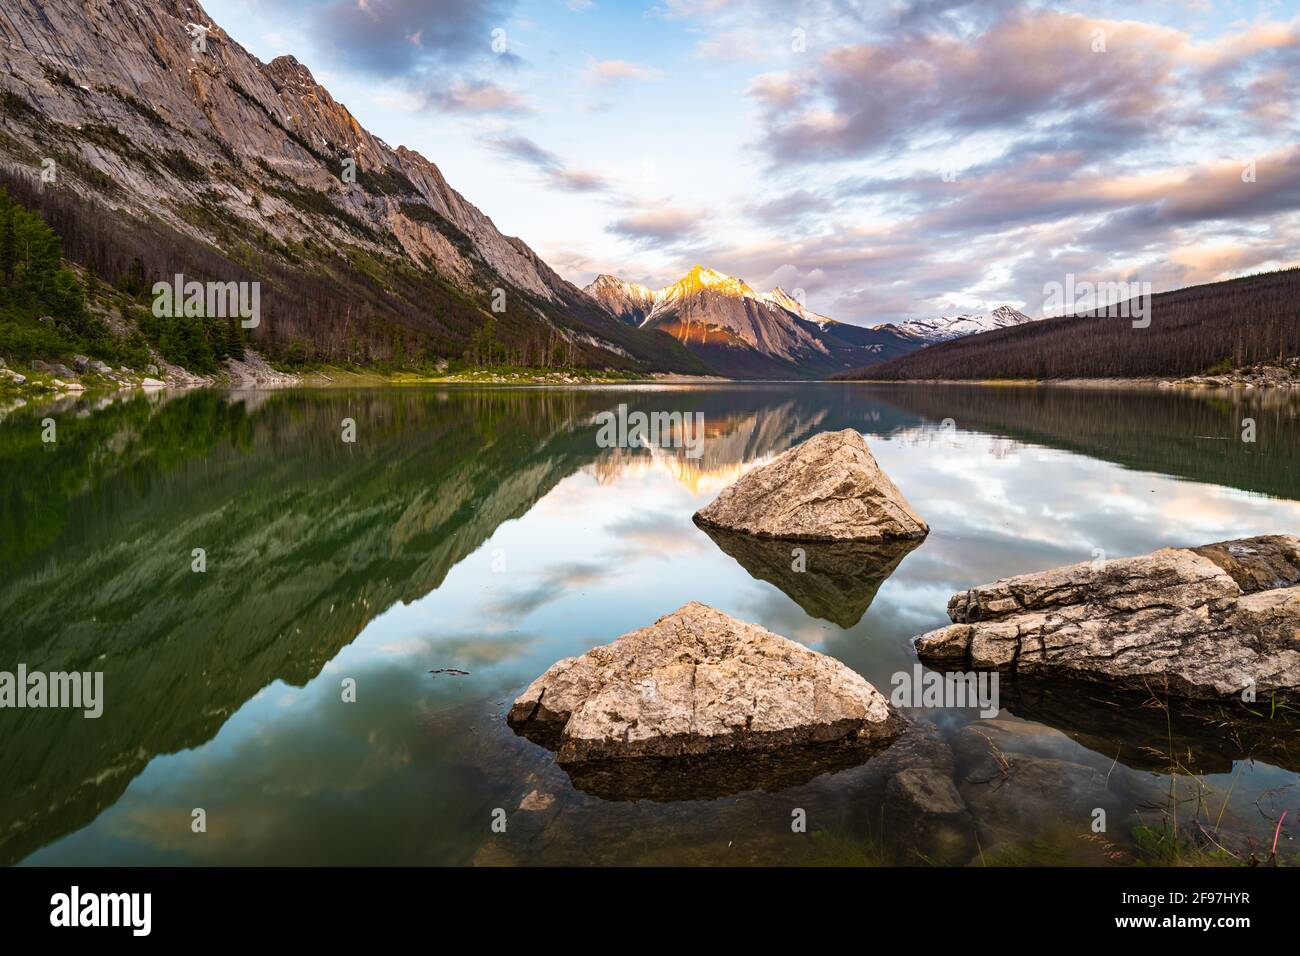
881, 159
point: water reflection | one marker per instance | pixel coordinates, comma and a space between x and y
1154, 731
834, 581
487, 531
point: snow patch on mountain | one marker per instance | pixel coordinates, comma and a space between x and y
945, 327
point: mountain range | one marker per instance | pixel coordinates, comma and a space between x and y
170, 149
740, 332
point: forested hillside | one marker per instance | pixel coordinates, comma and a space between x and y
1223, 325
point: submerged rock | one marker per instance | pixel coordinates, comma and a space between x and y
828, 488
924, 812
700, 704
833, 580
1207, 622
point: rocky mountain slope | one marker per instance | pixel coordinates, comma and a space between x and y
629, 302
748, 334
172, 149
947, 327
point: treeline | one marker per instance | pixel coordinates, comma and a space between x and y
42, 302
44, 314
548, 349
319, 305
198, 344
1235, 323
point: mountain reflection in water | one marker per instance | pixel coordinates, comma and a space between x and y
486, 530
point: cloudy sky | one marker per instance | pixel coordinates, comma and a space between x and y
892, 159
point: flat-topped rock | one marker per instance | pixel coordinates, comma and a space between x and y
1204, 622
698, 683
828, 488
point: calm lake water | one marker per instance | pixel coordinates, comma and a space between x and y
486, 531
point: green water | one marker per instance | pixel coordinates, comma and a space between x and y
487, 531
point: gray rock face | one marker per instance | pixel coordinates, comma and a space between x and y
828, 488
698, 683
1198, 622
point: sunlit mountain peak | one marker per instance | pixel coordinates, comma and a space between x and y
700, 278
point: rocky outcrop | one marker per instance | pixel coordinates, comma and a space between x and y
1281, 374
1204, 622
829, 488
699, 702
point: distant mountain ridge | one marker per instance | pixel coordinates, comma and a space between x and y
946, 328
746, 334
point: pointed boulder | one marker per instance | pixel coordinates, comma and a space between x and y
829, 488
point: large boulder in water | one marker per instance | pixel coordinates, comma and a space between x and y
829, 488
1208, 622
698, 684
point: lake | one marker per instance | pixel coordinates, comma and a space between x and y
487, 531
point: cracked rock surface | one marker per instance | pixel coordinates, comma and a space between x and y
828, 488
698, 682
1203, 622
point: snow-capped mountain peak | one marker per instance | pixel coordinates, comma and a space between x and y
948, 327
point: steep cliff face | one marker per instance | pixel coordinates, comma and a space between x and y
152, 109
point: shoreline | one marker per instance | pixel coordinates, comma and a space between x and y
1184, 384
256, 374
